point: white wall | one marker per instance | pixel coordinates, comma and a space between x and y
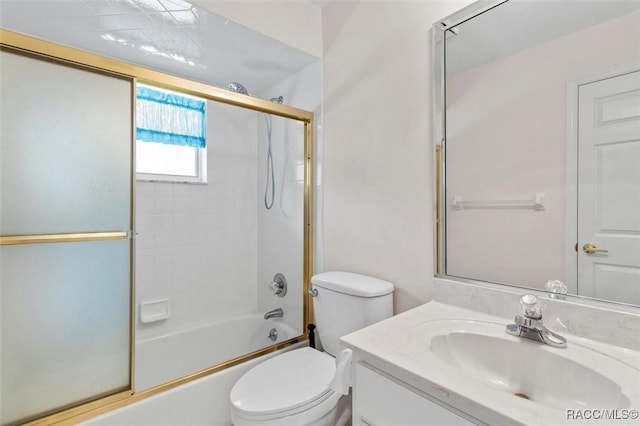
280, 229
296, 23
197, 244
378, 173
506, 136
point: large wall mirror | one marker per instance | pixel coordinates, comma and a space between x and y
538, 122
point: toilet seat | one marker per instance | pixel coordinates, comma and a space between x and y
284, 385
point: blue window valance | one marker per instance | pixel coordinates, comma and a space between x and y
170, 118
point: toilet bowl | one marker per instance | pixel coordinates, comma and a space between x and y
289, 389
307, 387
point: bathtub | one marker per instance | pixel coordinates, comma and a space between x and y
204, 401
168, 357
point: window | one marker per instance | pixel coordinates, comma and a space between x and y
170, 136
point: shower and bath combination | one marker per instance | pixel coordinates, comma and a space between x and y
269, 196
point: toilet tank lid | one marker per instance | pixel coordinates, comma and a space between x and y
353, 284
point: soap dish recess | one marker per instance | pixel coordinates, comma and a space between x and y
154, 311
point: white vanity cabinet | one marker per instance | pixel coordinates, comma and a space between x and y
379, 400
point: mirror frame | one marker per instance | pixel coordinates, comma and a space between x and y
439, 127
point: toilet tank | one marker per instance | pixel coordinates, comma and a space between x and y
346, 302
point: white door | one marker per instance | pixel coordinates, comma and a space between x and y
609, 189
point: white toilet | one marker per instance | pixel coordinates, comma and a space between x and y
305, 386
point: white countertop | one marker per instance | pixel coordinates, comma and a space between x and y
394, 347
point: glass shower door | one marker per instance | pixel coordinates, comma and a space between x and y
65, 221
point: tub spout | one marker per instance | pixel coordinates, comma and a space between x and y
275, 313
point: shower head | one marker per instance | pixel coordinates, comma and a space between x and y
234, 86
238, 88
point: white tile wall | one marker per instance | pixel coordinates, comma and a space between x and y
213, 249
197, 244
178, 37
280, 229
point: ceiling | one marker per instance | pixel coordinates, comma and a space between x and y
520, 24
172, 36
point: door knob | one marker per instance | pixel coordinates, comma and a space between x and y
591, 249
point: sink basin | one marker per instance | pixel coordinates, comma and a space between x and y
563, 378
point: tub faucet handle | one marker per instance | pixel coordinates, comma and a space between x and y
279, 285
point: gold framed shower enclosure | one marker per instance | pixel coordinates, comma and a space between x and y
62, 238
18, 43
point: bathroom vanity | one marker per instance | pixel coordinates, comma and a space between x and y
451, 362
382, 399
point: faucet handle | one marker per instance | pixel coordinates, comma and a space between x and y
530, 306
279, 285
556, 288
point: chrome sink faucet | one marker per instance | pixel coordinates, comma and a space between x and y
529, 324
275, 313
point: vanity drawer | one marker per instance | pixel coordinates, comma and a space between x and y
380, 401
